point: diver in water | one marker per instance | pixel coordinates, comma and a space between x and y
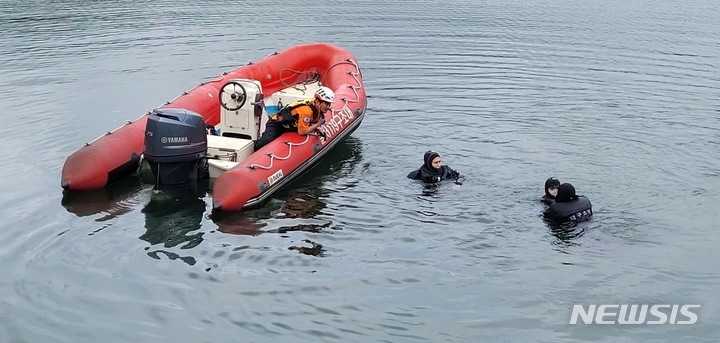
433, 171
568, 206
551, 191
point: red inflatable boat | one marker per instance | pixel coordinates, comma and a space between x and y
236, 105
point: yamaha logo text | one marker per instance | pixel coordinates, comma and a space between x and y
635, 314
181, 139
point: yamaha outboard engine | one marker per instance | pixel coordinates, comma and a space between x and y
176, 146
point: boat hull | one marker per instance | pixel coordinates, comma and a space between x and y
117, 154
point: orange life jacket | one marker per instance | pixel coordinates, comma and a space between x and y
287, 118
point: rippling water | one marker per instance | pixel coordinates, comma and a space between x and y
621, 99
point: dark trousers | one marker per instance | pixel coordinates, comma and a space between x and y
273, 130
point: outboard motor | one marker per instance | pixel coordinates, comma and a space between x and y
176, 146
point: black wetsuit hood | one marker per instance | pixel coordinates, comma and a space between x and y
566, 192
427, 168
551, 182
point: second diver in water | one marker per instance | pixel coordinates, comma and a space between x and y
569, 206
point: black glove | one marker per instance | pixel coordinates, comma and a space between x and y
321, 134
322, 120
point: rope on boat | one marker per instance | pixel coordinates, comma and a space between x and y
353, 88
273, 156
314, 77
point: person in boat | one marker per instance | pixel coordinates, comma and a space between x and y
569, 207
551, 190
303, 117
433, 171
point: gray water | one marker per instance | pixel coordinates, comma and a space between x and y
619, 98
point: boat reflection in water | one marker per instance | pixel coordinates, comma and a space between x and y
302, 199
112, 201
173, 217
171, 214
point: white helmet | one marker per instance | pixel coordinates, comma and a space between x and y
325, 94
